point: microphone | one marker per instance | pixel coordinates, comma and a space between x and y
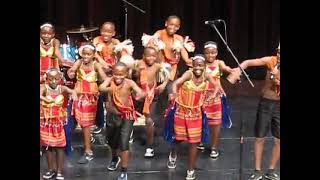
213, 21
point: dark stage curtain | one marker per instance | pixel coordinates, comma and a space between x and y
253, 26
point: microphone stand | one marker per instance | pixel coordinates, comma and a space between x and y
246, 75
126, 16
240, 87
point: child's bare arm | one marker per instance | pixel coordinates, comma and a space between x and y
138, 91
224, 67
216, 84
72, 71
70, 91
163, 85
100, 71
177, 83
104, 87
42, 97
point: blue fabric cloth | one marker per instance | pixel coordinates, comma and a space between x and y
68, 128
226, 118
205, 128
168, 131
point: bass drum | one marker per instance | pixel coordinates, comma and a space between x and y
69, 52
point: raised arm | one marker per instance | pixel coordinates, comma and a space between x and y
138, 91
42, 92
72, 71
185, 57
236, 72
224, 67
177, 83
162, 86
215, 82
56, 44
254, 62
105, 86
57, 52
70, 91
100, 71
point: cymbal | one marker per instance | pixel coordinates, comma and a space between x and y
82, 29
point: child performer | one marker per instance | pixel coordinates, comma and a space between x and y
189, 123
52, 121
121, 115
213, 106
147, 70
175, 47
86, 70
50, 56
268, 113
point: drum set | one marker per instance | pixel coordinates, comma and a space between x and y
69, 50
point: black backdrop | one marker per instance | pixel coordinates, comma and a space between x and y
253, 26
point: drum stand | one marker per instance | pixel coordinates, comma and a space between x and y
240, 87
126, 16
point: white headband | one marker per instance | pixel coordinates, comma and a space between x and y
46, 25
198, 57
210, 46
87, 46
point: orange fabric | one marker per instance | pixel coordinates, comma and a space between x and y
168, 43
150, 92
127, 112
107, 52
271, 65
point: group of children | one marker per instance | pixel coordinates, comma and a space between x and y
106, 72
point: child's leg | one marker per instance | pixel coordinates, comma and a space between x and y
150, 123
125, 131
113, 138
86, 140
192, 157
215, 135
60, 159
50, 159
149, 131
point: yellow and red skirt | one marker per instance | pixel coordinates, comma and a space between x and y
52, 121
212, 106
85, 108
188, 124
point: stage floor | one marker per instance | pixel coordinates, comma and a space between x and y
243, 101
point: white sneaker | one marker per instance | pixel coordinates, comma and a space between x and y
149, 153
190, 175
131, 137
214, 153
171, 164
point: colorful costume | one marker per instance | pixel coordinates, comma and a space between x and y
150, 92
119, 126
127, 112
52, 119
106, 51
85, 107
168, 47
47, 58
212, 105
188, 115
